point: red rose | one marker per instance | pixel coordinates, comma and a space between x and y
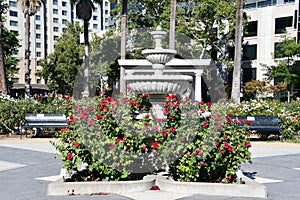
208, 104
90, 122
217, 144
218, 127
111, 147
69, 156
76, 145
164, 133
166, 111
172, 130
226, 145
202, 164
225, 137
131, 102
230, 149
229, 177
155, 145
201, 103
204, 124
248, 144
98, 116
118, 140
248, 122
198, 152
143, 148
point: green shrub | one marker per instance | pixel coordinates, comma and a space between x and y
106, 138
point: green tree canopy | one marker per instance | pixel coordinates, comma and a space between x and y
60, 68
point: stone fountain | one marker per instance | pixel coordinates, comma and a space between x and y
158, 84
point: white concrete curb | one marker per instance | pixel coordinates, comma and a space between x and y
249, 189
60, 188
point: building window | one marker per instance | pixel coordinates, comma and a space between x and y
95, 17
55, 29
289, 1
16, 52
249, 74
251, 29
106, 3
95, 26
12, 4
38, 8
55, 11
250, 52
55, 37
38, 36
38, 27
39, 81
64, 3
55, 20
106, 20
55, 2
64, 30
282, 23
15, 80
64, 21
13, 23
13, 13
106, 12
96, 9
38, 17
64, 12
38, 54
38, 45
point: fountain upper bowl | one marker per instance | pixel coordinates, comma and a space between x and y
159, 56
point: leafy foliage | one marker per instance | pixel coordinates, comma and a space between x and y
61, 68
113, 139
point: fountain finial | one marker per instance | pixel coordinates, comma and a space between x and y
158, 35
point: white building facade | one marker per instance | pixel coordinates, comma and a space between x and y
46, 26
267, 23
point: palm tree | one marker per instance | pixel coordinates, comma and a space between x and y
172, 25
123, 44
236, 80
84, 11
3, 86
29, 8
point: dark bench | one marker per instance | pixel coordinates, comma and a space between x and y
40, 121
261, 123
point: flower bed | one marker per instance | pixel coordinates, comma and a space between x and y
105, 137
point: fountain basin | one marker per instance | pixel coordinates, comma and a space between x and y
159, 56
164, 84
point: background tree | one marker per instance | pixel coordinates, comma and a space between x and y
287, 68
60, 68
10, 45
29, 8
3, 86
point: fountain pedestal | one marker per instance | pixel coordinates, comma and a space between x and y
158, 84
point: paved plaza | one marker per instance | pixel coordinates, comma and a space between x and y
27, 166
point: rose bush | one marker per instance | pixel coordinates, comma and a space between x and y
115, 139
12, 111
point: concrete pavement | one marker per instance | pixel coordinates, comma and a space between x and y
28, 166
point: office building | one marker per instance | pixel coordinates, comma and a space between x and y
46, 26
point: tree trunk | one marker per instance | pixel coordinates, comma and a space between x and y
86, 60
3, 86
172, 25
236, 80
123, 45
27, 56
